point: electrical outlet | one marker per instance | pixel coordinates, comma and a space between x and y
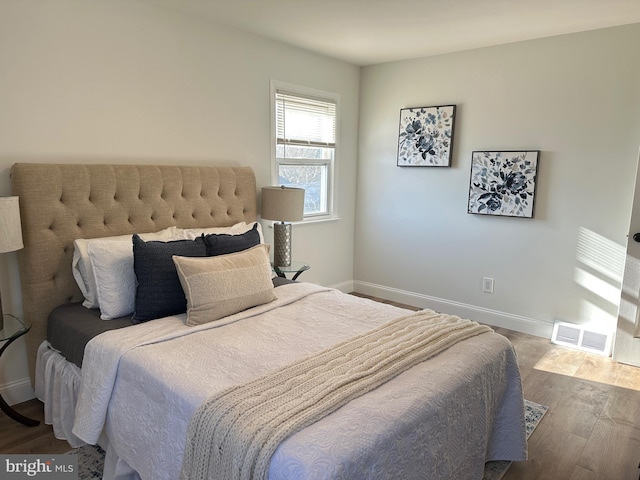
487, 285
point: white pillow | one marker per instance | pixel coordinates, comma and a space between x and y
81, 264
237, 229
115, 280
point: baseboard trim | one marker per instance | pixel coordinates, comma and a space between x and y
495, 318
18, 391
344, 287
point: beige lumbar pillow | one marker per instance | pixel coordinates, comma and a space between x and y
216, 287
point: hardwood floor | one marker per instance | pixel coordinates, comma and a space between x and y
590, 432
16, 438
592, 428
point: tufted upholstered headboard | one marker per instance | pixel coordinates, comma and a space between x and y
59, 203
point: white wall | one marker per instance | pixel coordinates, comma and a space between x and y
122, 82
577, 99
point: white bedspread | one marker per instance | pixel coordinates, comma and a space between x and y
441, 419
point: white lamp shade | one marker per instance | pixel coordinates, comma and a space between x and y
283, 204
10, 226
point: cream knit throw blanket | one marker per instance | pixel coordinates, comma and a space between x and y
234, 434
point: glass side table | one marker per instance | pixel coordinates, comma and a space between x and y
296, 268
13, 329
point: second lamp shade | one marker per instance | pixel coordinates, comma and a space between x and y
283, 204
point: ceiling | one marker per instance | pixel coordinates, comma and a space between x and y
365, 32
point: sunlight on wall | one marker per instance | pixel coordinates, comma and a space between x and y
600, 254
602, 288
600, 272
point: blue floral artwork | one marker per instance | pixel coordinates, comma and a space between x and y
503, 183
426, 136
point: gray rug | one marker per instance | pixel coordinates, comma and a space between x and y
533, 413
91, 458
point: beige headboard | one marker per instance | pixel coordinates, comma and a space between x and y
59, 203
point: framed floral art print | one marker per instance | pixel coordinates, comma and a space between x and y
503, 183
426, 136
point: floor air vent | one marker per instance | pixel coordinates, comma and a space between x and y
577, 336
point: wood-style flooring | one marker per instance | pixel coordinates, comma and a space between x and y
590, 432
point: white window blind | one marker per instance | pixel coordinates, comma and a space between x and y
302, 120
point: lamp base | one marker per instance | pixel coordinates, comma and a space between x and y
282, 244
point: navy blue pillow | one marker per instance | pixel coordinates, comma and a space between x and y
159, 292
222, 243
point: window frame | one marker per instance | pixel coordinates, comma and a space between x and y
332, 173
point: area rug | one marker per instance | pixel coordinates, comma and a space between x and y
533, 413
91, 458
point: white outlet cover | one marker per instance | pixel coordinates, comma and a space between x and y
487, 285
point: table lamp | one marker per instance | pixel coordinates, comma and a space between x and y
10, 232
283, 204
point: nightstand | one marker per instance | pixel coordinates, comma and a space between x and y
13, 329
296, 268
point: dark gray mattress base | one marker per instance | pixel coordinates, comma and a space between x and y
71, 326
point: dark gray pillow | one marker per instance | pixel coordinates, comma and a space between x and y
222, 243
158, 291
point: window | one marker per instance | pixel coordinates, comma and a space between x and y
305, 145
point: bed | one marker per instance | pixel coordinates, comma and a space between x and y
138, 388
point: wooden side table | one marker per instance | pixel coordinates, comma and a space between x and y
13, 329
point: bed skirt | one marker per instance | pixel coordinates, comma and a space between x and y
57, 384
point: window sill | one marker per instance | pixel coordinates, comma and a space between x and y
317, 220
306, 222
